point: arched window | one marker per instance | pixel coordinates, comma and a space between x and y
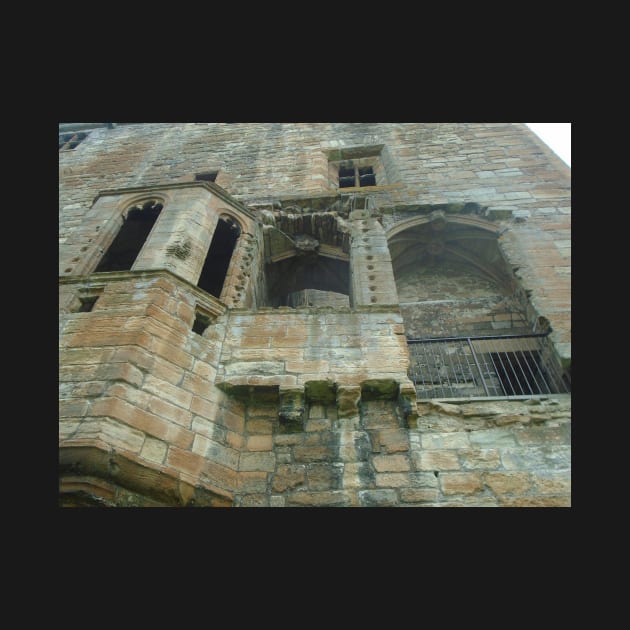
466, 318
217, 261
137, 224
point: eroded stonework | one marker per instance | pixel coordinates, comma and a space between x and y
248, 345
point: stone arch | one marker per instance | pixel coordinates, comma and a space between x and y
137, 220
452, 277
224, 243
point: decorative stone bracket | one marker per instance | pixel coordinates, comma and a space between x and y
293, 400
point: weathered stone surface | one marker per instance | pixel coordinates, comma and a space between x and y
315, 453
435, 460
391, 480
508, 483
332, 498
391, 463
539, 502
378, 498
254, 367
461, 483
324, 476
552, 482
252, 482
259, 443
257, 461
288, 477
348, 401
390, 440
288, 382
320, 424
418, 495
154, 450
485, 459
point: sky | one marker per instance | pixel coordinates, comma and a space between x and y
557, 136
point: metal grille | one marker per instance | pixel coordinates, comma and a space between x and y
494, 366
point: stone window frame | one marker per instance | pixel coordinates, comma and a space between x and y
86, 298
231, 218
356, 158
109, 236
68, 141
357, 176
202, 320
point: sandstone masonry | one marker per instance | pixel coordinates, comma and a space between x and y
239, 304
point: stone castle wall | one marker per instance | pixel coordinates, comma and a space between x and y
306, 405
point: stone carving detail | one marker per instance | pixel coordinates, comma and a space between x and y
179, 250
306, 245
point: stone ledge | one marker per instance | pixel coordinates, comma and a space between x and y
114, 470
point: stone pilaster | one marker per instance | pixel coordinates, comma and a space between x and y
372, 276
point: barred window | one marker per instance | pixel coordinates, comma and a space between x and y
510, 366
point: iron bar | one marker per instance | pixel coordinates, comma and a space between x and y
512, 366
474, 355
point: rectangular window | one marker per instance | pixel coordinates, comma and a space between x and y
202, 321
356, 176
358, 167
87, 304
69, 141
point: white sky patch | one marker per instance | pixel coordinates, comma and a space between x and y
557, 136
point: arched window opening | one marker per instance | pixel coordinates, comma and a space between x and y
467, 326
452, 279
137, 225
217, 261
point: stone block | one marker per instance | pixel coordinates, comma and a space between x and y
378, 498
391, 463
508, 483
256, 461
153, 450
331, 498
461, 483
325, 476
259, 443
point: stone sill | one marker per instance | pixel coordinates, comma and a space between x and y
101, 279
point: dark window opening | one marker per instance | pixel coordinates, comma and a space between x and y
202, 321
366, 176
210, 176
519, 373
136, 227
217, 261
354, 176
68, 141
346, 177
289, 278
87, 303
87, 298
